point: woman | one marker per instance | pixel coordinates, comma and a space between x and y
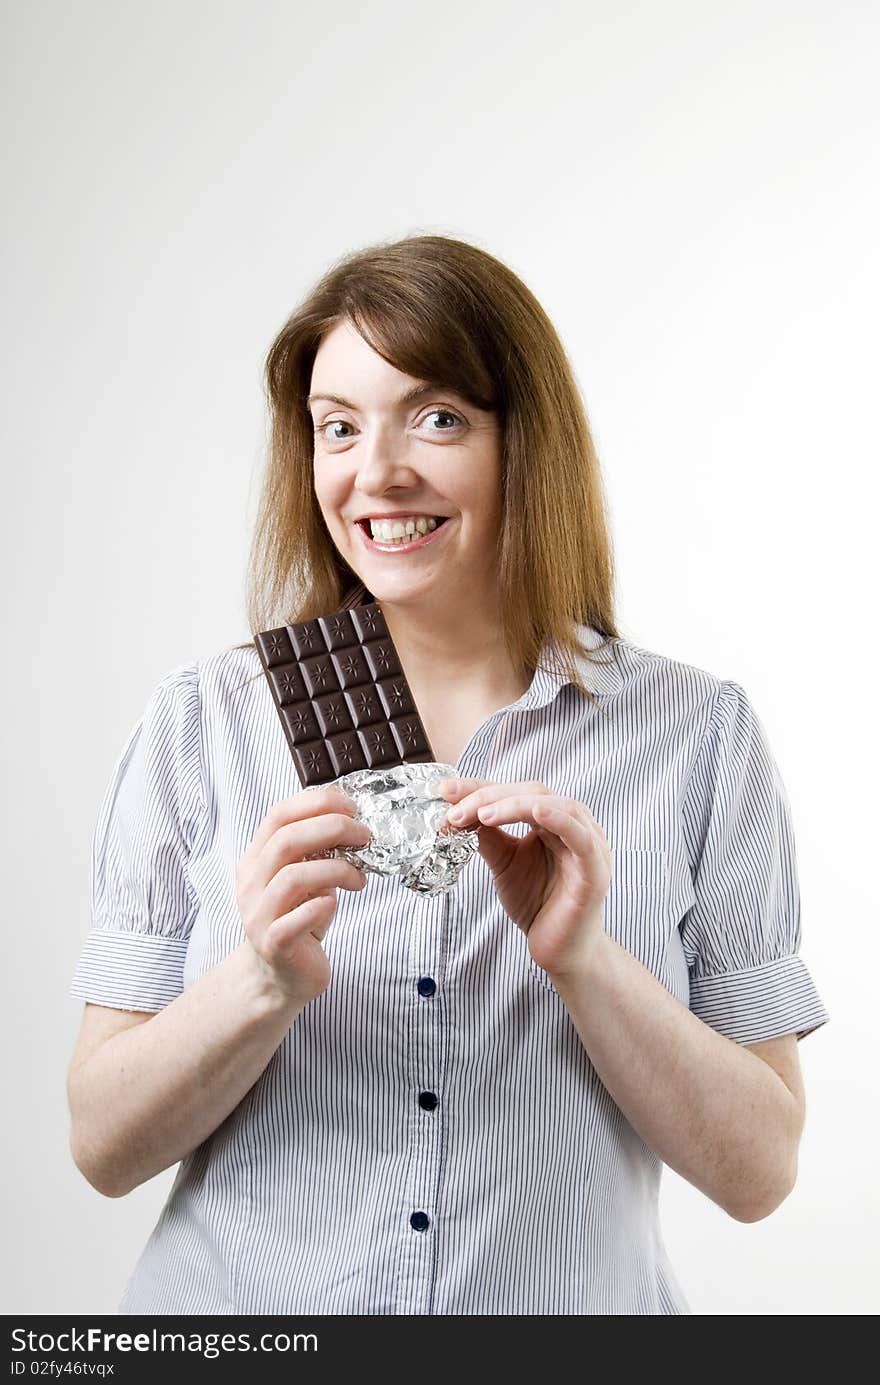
460, 1103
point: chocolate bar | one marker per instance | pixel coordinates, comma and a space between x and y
341, 694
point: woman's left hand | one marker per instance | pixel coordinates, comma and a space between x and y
551, 882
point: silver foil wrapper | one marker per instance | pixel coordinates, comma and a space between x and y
404, 812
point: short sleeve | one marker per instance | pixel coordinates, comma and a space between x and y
742, 937
142, 901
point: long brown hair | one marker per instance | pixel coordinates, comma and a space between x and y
441, 309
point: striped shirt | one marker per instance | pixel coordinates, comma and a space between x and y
431, 1137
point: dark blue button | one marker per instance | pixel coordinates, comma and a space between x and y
428, 1100
419, 1221
426, 985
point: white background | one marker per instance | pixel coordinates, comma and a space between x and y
690, 189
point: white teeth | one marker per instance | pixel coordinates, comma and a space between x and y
401, 530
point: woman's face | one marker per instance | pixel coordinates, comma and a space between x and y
379, 453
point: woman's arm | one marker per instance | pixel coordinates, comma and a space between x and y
153, 1093
150, 1095
718, 1114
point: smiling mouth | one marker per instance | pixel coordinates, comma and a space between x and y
437, 520
407, 545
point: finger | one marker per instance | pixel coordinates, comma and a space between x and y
550, 840
579, 811
311, 837
466, 808
302, 805
314, 915
307, 840
540, 812
576, 835
456, 788
296, 884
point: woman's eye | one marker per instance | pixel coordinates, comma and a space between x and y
442, 413
334, 423
451, 422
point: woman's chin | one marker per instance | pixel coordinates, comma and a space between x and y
400, 590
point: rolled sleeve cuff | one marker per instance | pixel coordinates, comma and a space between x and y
129, 971
762, 1002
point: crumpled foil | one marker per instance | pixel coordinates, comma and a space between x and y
405, 814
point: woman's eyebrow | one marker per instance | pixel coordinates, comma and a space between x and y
418, 391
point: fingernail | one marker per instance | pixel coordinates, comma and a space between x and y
455, 814
448, 786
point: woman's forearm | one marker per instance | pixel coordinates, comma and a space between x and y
151, 1094
716, 1113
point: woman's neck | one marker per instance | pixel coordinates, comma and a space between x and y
449, 651
447, 657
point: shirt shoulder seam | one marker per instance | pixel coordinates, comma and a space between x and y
710, 721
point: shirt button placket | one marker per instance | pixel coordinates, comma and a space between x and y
424, 1017
427, 920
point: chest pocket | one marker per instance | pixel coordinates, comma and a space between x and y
636, 913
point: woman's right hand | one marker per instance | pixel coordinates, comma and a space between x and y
286, 901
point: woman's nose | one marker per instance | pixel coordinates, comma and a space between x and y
383, 457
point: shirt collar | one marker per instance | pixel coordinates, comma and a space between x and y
600, 674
